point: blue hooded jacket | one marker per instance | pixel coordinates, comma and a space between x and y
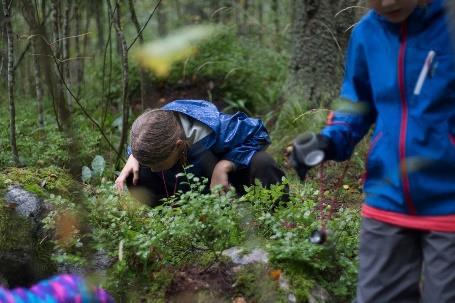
410, 178
234, 137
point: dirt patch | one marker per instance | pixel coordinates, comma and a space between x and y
160, 93
194, 282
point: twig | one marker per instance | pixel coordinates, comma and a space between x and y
349, 7
311, 111
74, 58
70, 37
331, 33
21, 56
351, 26
108, 44
145, 24
86, 113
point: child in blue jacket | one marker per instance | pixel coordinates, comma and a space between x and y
400, 77
226, 149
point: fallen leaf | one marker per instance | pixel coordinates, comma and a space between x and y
275, 274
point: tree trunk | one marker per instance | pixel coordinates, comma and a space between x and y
276, 17
62, 111
260, 9
85, 44
178, 12
162, 19
3, 52
215, 14
245, 16
10, 60
316, 67
79, 61
241, 8
125, 103
142, 73
347, 14
66, 50
99, 17
38, 86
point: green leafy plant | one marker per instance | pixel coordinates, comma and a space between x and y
98, 165
287, 229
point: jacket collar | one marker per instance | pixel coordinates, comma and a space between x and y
420, 17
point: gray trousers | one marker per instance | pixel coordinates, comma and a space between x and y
405, 265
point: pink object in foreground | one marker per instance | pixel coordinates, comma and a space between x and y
59, 289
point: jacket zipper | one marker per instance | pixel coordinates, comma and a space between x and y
404, 119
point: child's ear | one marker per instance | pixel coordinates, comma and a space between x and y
422, 2
180, 144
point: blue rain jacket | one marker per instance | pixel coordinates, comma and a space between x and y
410, 177
234, 137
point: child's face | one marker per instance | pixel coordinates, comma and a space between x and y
172, 159
168, 163
395, 11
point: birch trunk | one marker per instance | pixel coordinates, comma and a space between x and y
124, 53
10, 60
79, 61
38, 86
66, 50
142, 74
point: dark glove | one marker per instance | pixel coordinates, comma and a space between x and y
308, 150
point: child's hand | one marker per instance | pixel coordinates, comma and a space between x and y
220, 174
308, 150
131, 166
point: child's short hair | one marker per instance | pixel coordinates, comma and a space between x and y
154, 135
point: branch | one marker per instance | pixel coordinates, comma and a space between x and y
145, 25
76, 99
21, 56
1, 66
108, 44
70, 37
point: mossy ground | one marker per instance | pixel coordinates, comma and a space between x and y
18, 236
42, 181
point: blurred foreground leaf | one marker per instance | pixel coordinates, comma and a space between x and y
159, 55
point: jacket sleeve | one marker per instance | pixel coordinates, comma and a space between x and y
62, 288
356, 113
240, 137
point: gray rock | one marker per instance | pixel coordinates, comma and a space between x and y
26, 204
26, 258
102, 261
257, 255
237, 256
319, 295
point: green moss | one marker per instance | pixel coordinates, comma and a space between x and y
301, 286
14, 230
34, 188
255, 284
17, 239
41, 181
128, 286
16, 235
